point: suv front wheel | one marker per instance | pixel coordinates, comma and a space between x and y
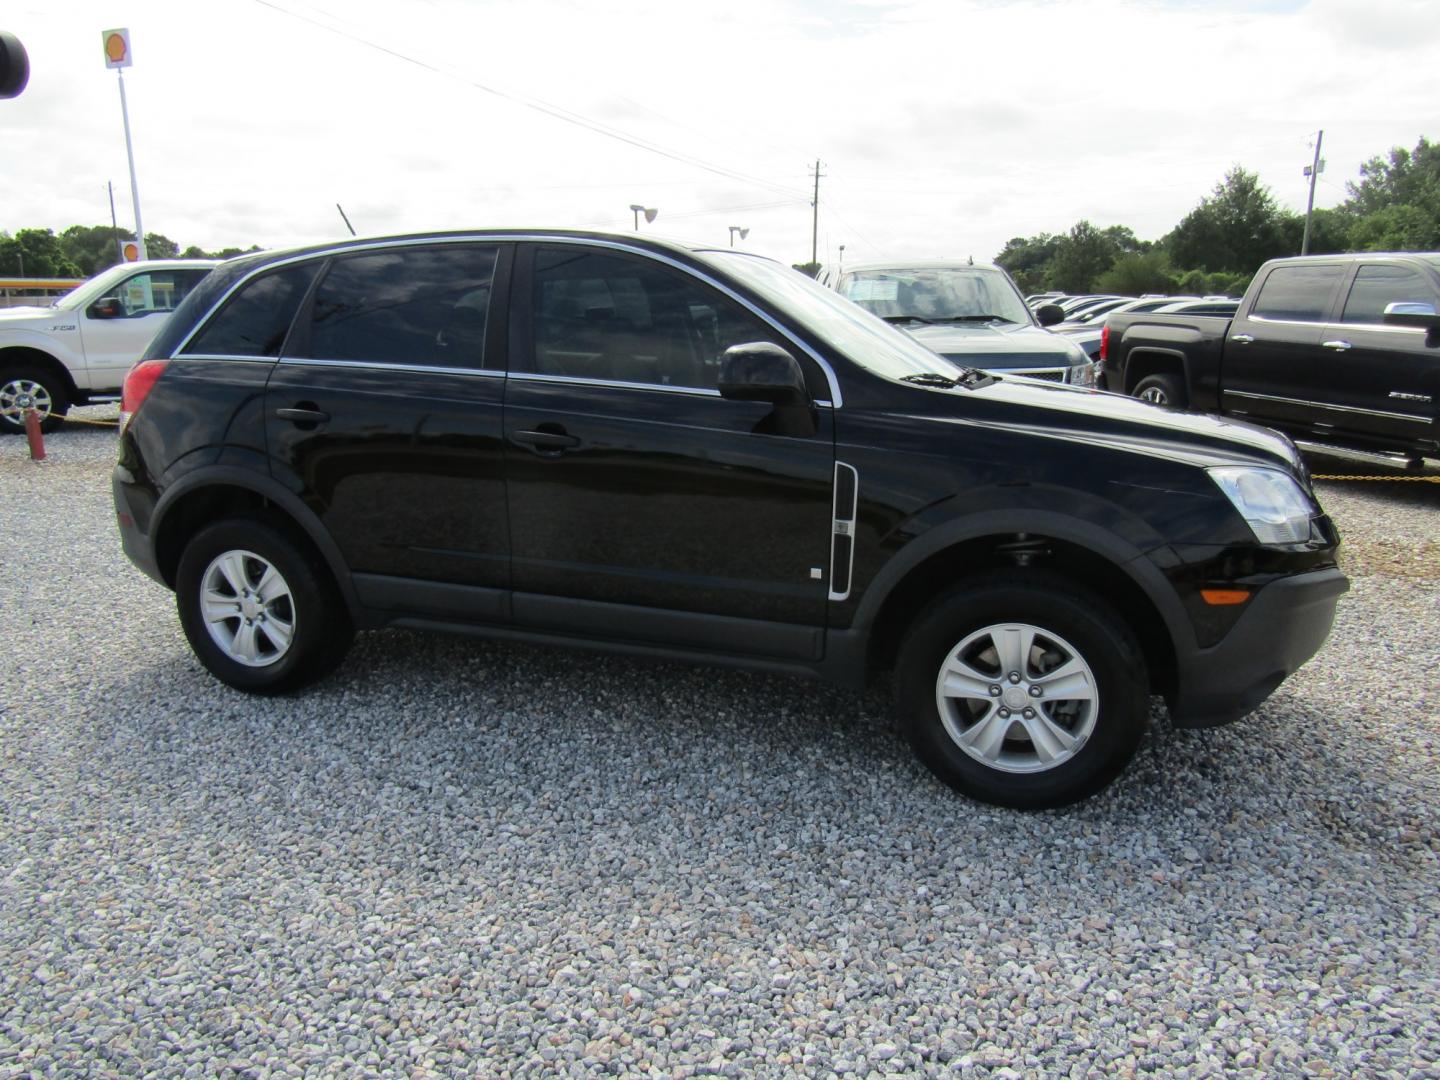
1022, 691
260, 610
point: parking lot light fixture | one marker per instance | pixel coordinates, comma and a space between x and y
649, 211
744, 232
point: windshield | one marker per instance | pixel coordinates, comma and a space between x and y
938, 294
95, 288
833, 319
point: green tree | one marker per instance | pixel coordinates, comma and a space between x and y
809, 269
38, 252
1401, 178
159, 246
1082, 256
1027, 259
1235, 229
1138, 272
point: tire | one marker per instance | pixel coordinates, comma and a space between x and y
1086, 720
21, 387
1163, 389
260, 609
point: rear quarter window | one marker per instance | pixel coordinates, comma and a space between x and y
255, 320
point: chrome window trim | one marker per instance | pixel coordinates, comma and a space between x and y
575, 380
221, 358
1330, 408
386, 365
836, 398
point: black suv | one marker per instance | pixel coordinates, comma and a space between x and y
616, 442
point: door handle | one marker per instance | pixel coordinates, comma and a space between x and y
545, 440
300, 415
1338, 345
1243, 339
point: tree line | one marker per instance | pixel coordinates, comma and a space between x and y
1218, 246
82, 251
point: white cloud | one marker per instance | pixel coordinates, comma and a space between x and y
945, 127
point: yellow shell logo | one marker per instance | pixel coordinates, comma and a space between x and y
115, 48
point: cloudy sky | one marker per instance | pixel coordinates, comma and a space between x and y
945, 127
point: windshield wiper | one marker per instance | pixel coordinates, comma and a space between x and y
975, 318
905, 318
969, 378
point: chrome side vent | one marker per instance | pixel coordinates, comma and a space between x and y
842, 536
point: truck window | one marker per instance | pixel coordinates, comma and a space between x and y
1297, 293
1376, 286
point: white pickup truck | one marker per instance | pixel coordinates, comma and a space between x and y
77, 350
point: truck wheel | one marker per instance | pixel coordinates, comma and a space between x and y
259, 609
27, 388
1163, 389
1022, 690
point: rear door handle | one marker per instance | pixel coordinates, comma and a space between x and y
303, 416
1243, 339
1338, 345
545, 440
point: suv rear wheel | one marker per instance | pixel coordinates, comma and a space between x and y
1022, 691
31, 388
260, 610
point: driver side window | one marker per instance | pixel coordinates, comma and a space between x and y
151, 291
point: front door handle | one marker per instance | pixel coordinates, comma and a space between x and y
300, 415
1243, 339
1338, 345
553, 441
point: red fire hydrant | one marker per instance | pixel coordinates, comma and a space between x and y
33, 436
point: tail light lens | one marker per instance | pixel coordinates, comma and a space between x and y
1105, 342
138, 384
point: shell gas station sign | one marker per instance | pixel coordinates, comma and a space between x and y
117, 48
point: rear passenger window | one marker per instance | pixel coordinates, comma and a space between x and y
625, 319
423, 306
1377, 286
255, 320
1297, 293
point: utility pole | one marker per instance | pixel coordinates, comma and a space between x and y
1313, 172
815, 221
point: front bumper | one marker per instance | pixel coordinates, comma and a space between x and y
1284, 625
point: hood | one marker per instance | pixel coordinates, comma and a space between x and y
17, 314
1117, 421
996, 347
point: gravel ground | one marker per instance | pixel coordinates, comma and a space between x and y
458, 856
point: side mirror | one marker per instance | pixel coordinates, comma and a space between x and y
760, 371
107, 307
1411, 313
1049, 314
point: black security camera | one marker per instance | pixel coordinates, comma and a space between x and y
14, 66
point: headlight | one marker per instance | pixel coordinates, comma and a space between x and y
1270, 501
1083, 371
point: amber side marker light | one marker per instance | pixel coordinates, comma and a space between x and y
1224, 597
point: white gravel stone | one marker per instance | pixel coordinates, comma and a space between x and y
465, 858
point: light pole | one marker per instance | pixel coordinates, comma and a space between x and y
117, 56
744, 232
650, 213
841, 263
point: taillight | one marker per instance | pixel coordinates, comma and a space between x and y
1105, 342
138, 384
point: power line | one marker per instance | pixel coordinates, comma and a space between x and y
554, 111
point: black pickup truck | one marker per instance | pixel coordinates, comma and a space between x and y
1341, 352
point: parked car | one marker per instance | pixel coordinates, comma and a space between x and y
617, 442
1097, 315
1209, 306
77, 350
1340, 351
970, 313
1097, 307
